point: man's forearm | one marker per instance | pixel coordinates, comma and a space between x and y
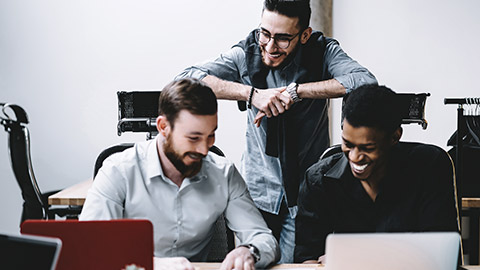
226, 89
324, 89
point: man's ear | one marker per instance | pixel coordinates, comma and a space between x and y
163, 126
397, 135
305, 35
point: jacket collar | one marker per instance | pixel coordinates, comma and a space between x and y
339, 169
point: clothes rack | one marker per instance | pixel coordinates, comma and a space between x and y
473, 214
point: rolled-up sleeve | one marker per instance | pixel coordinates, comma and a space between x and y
246, 221
344, 69
225, 67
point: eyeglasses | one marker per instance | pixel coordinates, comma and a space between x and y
282, 41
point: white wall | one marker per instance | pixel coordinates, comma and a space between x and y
413, 47
63, 61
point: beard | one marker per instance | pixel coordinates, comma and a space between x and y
285, 61
177, 159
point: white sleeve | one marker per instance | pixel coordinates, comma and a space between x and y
246, 221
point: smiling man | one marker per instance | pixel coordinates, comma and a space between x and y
377, 184
182, 188
287, 72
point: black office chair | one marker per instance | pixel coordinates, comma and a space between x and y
412, 106
35, 205
137, 112
222, 240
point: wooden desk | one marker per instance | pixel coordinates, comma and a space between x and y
471, 202
213, 266
74, 195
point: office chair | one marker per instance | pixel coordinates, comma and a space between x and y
35, 205
222, 240
412, 106
137, 112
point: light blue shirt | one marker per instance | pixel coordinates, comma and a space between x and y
131, 184
263, 173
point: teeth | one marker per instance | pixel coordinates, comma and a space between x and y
195, 156
359, 167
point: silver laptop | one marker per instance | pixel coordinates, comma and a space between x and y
29, 252
393, 251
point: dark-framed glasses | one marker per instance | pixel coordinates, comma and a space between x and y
281, 40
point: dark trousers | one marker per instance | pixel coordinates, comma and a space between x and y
274, 222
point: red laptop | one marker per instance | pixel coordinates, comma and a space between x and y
112, 244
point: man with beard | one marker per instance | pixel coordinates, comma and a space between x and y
377, 184
181, 187
287, 72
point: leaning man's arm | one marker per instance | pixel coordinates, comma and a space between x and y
345, 70
245, 220
105, 199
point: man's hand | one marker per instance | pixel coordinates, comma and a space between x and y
238, 259
272, 101
174, 263
285, 102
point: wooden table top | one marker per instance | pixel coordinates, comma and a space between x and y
75, 195
213, 266
471, 202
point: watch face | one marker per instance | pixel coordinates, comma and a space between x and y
292, 91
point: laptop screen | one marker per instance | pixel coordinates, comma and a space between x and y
29, 252
422, 251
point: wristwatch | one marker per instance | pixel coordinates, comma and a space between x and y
253, 251
292, 91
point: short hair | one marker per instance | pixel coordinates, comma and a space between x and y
373, 106
188, 94
291, 8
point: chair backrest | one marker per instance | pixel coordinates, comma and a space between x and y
34, 207
337, 148
222, 240
108, 152
413, 108
137, 111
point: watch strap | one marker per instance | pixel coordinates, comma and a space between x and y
253, 251
292, 91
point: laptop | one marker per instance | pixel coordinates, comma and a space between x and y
393, 251
29, 252
112, 244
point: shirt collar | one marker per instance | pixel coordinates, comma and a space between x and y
154, 167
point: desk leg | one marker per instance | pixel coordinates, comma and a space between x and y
473, 238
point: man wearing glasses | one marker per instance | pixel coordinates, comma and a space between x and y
287, 72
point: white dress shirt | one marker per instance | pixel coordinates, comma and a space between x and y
131, 184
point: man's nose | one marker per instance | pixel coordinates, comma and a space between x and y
202, 148
271, 45
355, 155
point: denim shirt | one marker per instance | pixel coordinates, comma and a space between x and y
263, 173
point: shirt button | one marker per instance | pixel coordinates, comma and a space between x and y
174, 246
179, 223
